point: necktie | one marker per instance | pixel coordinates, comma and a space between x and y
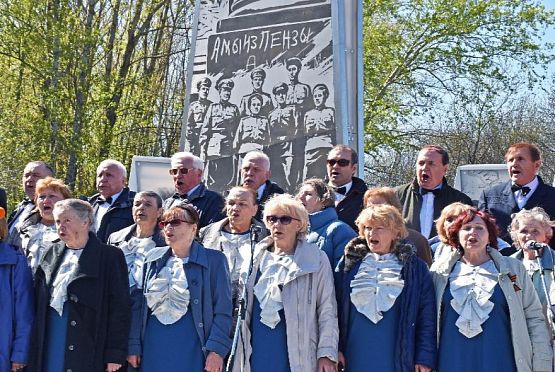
341, 190
524, 190
102, 200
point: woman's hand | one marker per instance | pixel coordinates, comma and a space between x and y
214, 362
17, 366
134, 360
326, 365
340, 362
112, 367
421, 368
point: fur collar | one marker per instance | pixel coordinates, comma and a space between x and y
357, 249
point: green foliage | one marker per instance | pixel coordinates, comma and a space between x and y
83, 81
420, 54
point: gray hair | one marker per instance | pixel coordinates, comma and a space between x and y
537, 214
82, 209
257, 155
109, 162
150, 194
197, 162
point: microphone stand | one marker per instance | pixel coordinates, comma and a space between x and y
241, 305
550, 313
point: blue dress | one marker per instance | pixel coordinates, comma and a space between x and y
489, 351
56, 329
269, 346
172, 347
369, 346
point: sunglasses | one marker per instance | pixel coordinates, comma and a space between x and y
175, 171
173, 223
284, 220
340, 162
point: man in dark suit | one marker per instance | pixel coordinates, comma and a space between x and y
113, 203
525, 190
342, 165
255, 175
187, 172
32, 172
424, 198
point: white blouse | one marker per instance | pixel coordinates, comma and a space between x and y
274, 270
67, 271
135, 251
376, 286
37, 240
167, 293
471, 288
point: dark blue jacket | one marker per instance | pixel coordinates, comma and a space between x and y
209, 204
350, 207
210, 290
329, 234
117, 217
416, 339
500, 202
16, 307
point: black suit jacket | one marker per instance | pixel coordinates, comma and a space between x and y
500, 201
117, 217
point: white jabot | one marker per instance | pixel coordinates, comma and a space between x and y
135, 251
237, 250
66, 273
167, 293
37, 240
531, 266
377, 285
273, 273
520, 199
471, 288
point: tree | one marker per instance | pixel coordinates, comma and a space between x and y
419, 54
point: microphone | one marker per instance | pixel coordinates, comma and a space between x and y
532, 244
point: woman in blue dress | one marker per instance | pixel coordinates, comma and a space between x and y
387, 316
291, 320
486, 303
82, 297
326, 230
182, 315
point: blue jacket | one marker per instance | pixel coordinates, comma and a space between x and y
16, 307
330, 234
210, 290
416, 339
209, 204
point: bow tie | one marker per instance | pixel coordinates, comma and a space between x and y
101, 200
341, 190
434, 191
524, 190
180, 197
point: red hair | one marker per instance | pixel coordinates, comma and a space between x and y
467, 216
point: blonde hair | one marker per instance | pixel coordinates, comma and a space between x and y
52, 184
386, 214
451, 210
290, 206
535, 214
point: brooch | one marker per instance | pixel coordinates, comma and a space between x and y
513, 280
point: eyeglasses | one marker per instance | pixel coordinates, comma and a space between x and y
173, 223
340, 162
175, 171
284, 220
